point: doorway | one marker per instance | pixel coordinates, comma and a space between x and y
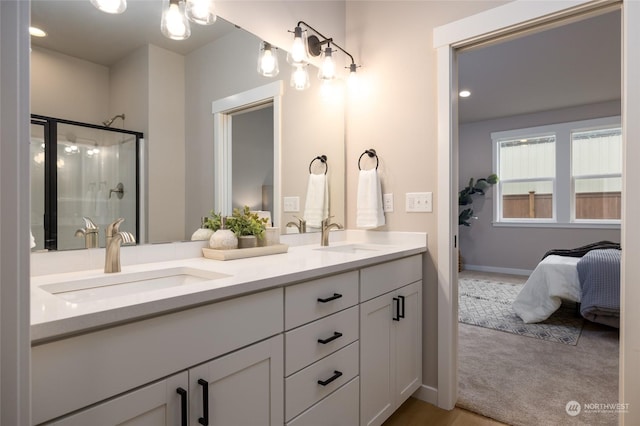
500, 21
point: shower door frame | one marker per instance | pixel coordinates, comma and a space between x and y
51, 173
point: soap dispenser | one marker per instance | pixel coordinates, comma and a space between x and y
223, 239
202, 233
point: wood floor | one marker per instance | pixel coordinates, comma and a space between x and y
418, 413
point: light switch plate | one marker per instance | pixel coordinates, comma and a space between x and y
419, 202
387, 203
291, 204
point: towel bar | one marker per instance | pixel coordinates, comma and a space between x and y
371, 153
323, 160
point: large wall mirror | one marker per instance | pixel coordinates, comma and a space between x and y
94, 68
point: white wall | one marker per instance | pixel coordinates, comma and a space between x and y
485, 245
66, 87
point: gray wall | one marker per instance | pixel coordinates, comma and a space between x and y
484, 245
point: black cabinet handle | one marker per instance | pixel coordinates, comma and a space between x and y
336, 374
183, 406
336, 334
401, 315
397, 303
204, 420
329, 299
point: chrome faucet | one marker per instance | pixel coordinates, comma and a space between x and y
89, 232
326, 227
115, 238
301, 225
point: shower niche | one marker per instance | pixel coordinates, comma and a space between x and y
78, 171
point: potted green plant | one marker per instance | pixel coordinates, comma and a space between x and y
247, 226
208, 226
465, 196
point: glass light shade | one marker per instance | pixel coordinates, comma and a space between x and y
352, 80
174, 22
300, 78
201, 12
298, 54
110, 6
328, 69
268, 60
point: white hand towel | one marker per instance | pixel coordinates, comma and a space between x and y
316, 206
369, 213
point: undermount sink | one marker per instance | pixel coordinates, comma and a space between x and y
124, 284
353, 248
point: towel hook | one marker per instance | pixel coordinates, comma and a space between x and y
371, 153
323, 160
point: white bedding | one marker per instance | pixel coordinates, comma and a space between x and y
555, 278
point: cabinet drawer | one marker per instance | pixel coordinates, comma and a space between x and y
124, 357
302, 389
303, 347
385, 277
302, 304
338, 409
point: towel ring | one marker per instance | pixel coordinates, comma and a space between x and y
323, 160
371, 153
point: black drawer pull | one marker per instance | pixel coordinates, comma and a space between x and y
336, 334
401, 315
329, 299
184, 421
204, 420
336, 374
397, 315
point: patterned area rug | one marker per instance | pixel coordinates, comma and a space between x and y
487, 304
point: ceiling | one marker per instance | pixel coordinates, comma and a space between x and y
570, 65
574, 64
107, 38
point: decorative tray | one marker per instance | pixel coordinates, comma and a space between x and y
243, 253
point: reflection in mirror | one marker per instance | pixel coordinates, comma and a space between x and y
93, 66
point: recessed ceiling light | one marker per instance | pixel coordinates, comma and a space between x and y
464, 93
37, 32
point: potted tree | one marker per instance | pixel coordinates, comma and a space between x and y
247, 226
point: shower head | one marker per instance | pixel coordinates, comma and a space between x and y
108, 123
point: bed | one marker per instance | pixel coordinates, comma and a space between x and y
588, 275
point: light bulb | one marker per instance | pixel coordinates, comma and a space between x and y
110, 6
201, 12
353, 82
300, 78
268, 60
328, 69
174, 22
298, 54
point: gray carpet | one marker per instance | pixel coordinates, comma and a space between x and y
523, 381
487, 303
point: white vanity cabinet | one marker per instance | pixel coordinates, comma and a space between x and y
106, 365
390, 337
321, 351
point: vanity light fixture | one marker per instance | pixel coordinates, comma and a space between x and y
464, 93
201, 12
304, 45
174, 23
300, 77
268, 60
110, 6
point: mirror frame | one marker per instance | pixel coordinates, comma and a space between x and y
222, 110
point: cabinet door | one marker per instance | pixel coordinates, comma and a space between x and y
158, 404
243, 388
377, 386
408, 342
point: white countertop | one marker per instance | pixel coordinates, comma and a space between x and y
53, 317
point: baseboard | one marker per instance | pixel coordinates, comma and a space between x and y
512, 271
427, 394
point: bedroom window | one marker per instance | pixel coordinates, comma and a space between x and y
561, 175
596, 173
526, 167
